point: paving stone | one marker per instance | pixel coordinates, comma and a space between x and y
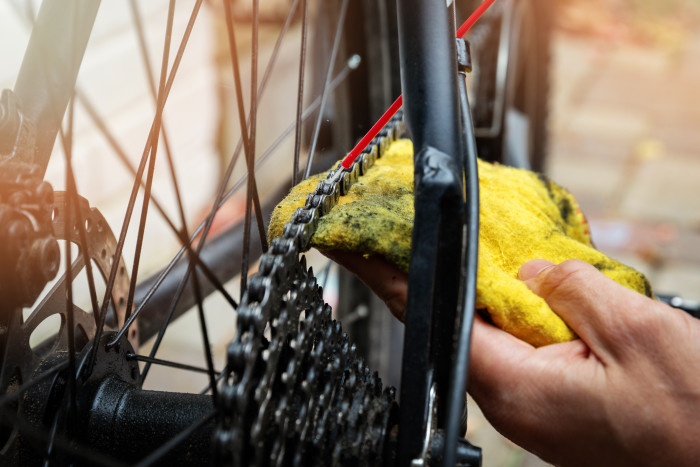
675, 135
574, 59
592, 183
665, 190
575, 145
607, 122
627, 86
497, 450
684, 246
688, 64
640, 59
679, 278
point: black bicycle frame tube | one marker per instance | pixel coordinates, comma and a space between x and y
431, 103
50, 67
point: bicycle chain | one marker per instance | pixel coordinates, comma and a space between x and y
295, 390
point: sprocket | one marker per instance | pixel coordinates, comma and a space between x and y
296, 391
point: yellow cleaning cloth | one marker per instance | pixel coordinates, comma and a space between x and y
523, 216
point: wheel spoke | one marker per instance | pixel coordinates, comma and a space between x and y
155, 134
52, 437
194, 277
324, 92
137, 182
157, 361
67, 140
205, 339
252, 194
166, 141
173, 176
55, 435
252, 191
300, 90
184, 239
203, 227
218, 379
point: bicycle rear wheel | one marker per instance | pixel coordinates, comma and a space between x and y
54, 389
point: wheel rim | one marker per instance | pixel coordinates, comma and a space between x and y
159, 139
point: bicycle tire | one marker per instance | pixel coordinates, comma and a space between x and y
61, 452
532, 63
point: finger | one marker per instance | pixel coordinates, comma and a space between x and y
382, 277
532, 268
593, 305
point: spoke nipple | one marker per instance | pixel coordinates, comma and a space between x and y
354, 62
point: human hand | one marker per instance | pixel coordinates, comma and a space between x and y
382, 277
626, 393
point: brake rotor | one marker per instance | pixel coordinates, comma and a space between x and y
24, 360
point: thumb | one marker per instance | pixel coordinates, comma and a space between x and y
593, 305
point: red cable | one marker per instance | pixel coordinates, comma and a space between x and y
474, 18
372, 133
377, 127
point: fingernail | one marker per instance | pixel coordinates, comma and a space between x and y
533, 268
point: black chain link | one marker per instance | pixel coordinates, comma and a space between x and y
295, 390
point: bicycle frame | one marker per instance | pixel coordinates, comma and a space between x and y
441, 284
437, 331
49, 71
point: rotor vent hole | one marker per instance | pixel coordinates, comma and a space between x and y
82, 287
46, 335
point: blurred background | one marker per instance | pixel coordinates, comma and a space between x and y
625, 140
624, 129
624, 132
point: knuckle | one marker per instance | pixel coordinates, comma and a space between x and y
565, 278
